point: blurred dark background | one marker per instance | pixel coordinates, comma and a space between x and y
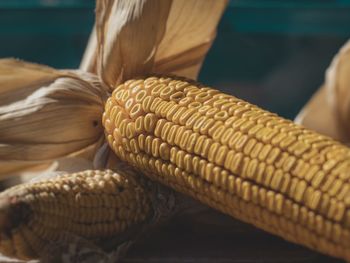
271, 52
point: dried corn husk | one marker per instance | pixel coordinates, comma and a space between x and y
328, 111
140, 37
46, 114
88, 62
18, 79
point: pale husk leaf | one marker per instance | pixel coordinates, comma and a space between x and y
58, 118
328, 111
89, 60
13, 72
152, 36
128, 32
190, 32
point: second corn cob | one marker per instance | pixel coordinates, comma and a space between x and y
235, 157
94, 205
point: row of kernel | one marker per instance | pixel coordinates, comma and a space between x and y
194, 143
214, 174
246, 170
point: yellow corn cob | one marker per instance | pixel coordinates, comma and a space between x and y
235, 157
94, 205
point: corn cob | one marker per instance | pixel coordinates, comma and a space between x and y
235, 157
94, 205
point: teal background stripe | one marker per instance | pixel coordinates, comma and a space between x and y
272, 53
